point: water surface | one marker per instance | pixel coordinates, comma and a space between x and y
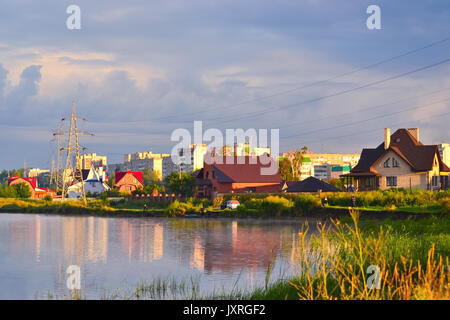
115, 254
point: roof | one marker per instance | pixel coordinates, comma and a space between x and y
31, 180
312, 184
44, 190
136, 174
246, 172
419, 156
341, 168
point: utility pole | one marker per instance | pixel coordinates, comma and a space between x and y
58, 136
73, 149
53, 174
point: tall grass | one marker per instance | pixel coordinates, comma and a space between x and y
348, 256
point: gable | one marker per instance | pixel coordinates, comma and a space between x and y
391, 162
129, 178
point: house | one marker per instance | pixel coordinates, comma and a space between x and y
128, 181
31, 182
401, 161
310, 185
242, 175
94, 181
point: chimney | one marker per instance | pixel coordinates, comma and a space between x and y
414, 132
387, 138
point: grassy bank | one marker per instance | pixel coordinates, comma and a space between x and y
412, 257
382, 204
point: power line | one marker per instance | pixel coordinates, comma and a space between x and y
364, 120
370, 66
367, 108
370, 84
441, 115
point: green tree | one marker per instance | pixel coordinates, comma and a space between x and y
183, 184
8, 192
22, 190
289, 167
285, 169
338, 183
147, 176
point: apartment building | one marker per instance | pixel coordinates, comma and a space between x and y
444, 152
92, 160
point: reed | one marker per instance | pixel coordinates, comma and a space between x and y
359, 266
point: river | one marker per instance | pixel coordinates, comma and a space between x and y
114, 255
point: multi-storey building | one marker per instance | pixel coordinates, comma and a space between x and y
444, 151
160, 163
92, 160
191, 159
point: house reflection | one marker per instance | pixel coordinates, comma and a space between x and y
141, 242
250, 247
208, 246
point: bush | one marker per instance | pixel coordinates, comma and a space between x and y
176, 208
217, 202
307, 202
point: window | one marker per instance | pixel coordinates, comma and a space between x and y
251, 189
395, 163
386, 163
391, 181
434, 181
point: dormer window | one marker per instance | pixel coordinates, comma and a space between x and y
395, 163
386, 163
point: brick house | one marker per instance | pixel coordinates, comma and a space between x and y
241, 176
401, 161
31, 182
128, 181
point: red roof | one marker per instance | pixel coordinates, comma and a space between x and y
121, 174
31, 180
246, 172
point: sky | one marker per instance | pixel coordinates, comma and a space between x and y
138, 70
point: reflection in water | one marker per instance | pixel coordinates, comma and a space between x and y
35, 251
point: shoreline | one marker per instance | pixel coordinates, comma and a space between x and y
318, 214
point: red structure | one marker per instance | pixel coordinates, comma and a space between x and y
242, 174
128, 181
31, 182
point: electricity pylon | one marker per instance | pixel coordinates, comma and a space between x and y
57, 176
73, 149
53, 174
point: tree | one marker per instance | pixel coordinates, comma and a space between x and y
22, 190
8, 192
290, 166
183, 184
147, 176
338, 183
285, 169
